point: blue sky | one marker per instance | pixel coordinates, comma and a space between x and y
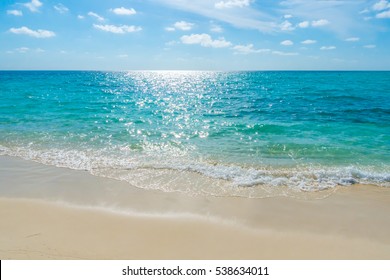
195, 35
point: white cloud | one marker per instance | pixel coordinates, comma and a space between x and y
304, 24
308, 42
287, 16
122, 29
247, 49
80, 17
25, 50
95, 15
284, 53
232, 4
33, 6
318, 23
180, 25
216, 28
183, 25
383, 9
245, 17
61, 8
369, 46
327, 48
287, 43
205, 40
122, 56
40, 33
381, 5
352, 39
22, 50
17, 13
123, 11
342, 15
385, 14
286, 26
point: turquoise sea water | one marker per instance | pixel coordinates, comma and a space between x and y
219, 133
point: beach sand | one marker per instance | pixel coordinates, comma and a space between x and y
55, 213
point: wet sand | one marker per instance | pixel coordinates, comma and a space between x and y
56, 213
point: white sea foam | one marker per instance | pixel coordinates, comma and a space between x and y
181, 174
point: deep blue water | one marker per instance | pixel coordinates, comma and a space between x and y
229, 130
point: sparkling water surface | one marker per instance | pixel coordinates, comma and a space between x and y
221, 133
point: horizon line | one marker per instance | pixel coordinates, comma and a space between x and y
195, 70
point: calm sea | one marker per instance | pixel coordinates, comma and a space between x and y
220, 133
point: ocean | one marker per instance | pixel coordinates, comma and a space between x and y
250, 134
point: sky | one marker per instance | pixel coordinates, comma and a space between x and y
195, 35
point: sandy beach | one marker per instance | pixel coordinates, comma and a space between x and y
56, 213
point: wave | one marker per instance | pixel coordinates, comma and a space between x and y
181, 174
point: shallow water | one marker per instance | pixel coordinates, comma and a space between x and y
252, 134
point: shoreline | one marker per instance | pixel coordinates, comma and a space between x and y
55, 213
